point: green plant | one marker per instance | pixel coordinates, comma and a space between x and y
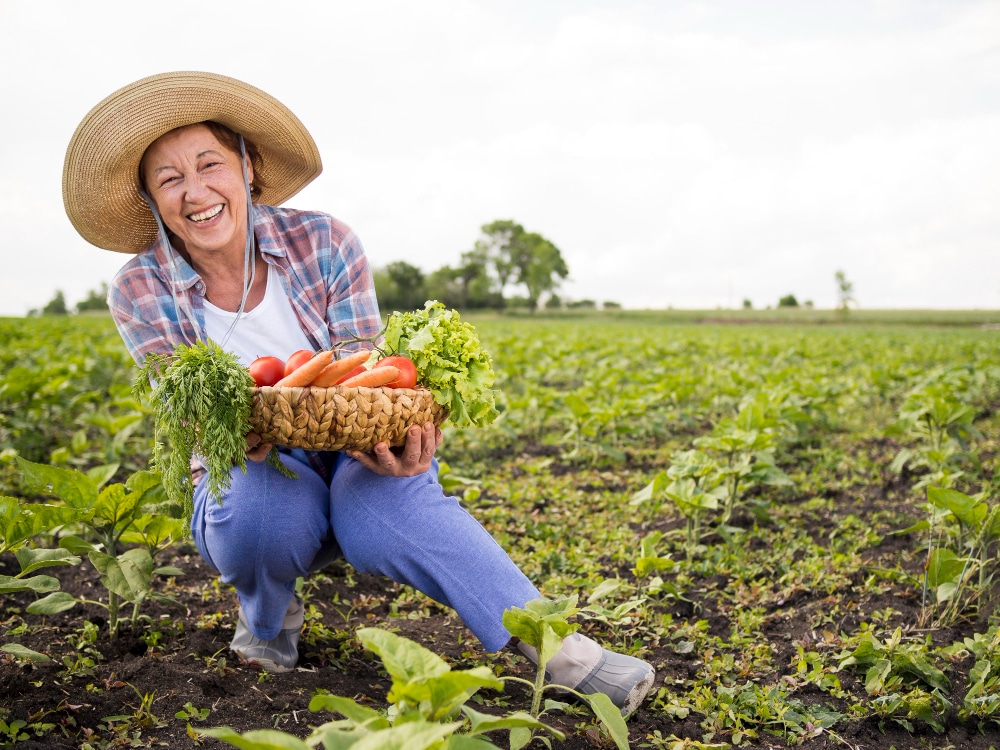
892, 663
939, 420
962, 533
981, 701
543, 624
112, 514
429, 707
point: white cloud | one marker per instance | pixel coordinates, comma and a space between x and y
689, 155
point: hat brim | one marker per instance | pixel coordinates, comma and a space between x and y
101, 169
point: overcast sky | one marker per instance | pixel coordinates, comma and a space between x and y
685, 154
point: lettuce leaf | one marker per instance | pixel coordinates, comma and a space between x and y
450, 361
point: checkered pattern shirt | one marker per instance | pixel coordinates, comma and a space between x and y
157, 298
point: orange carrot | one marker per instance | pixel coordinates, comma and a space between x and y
373, 378
334, 371
304, 374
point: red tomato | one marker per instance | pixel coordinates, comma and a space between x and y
267, 370
356, 371
407, 371
297, 359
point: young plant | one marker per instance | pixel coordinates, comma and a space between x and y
113, 515
940, 422
691, 484
429, 707
982, 698
543, 624
963, 532
20, 523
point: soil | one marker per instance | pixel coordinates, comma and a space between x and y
189, 663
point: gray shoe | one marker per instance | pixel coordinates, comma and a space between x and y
626, 680
280, 654
583, 665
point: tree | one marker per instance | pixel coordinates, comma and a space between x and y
56, 306
788, 301
515, 256
400, 286
96, 300
543, 268
845, 290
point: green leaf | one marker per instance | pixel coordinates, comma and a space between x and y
54, 603
967, 510
23, 652
944, 566
349, 708
611, 717
129, 575
450, 361
38, 584
480, 723
33, 559
415, 735
404, 660
72, 487
256, 739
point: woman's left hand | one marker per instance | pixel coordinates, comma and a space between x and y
414, 458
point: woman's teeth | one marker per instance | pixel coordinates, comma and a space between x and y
206, 215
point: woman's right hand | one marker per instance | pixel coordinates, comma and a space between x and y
257, 450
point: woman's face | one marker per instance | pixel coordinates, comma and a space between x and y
197, 185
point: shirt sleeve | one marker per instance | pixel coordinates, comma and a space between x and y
352, 307
144, 323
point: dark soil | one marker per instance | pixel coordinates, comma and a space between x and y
188, 661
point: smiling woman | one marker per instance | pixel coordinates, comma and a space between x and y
198, 186
147, 173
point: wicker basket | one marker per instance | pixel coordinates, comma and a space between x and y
338, 418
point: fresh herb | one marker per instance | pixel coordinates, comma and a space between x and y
201, 398
450, 360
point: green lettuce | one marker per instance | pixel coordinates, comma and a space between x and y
451, 362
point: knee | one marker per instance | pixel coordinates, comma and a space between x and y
266, 519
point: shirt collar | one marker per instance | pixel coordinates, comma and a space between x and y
176, 267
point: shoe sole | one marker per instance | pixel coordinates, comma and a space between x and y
266, 664
638, 693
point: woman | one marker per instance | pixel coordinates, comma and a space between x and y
184, 171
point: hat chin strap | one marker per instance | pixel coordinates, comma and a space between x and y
249, 266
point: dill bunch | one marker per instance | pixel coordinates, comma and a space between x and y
201, 399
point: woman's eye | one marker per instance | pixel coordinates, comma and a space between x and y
167, 180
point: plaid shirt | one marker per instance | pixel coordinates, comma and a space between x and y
157, 298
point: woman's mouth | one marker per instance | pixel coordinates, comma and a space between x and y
210, 213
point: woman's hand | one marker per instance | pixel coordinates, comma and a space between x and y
256, 450
415, 457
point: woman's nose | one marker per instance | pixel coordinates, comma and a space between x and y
197, 188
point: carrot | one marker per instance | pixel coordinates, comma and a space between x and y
303, 375
373, 378
334, 371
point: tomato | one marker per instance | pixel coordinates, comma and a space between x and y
356, 371
407, 371
267, 370
297, 359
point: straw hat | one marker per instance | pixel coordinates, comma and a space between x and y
101, 170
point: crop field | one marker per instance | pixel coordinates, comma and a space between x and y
796, 521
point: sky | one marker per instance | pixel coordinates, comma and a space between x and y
679, 154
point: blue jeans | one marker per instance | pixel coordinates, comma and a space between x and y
270, 530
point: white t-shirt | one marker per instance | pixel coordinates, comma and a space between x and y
271, 328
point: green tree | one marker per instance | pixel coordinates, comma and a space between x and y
56, 305
96, 300
845, 291
515, 256
788, 301
400, 286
